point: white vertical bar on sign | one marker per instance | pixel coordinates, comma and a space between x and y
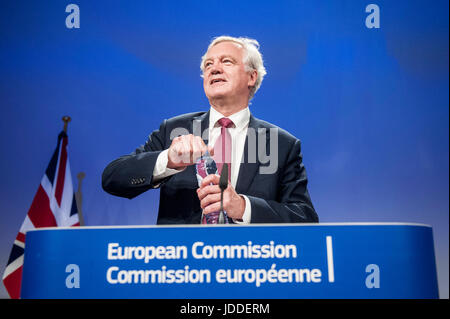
330, 259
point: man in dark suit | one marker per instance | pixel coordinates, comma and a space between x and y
262, 188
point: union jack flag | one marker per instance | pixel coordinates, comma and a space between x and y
53, 205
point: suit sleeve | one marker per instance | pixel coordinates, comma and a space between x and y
130, 175
293, 204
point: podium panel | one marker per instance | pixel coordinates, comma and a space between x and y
288, 261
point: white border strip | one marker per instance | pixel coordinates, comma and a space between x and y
330, 260
231, 226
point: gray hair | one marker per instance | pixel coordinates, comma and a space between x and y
252, 58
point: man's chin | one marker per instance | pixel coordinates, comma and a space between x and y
217, 94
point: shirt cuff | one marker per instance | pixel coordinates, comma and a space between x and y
161, 171
247, 212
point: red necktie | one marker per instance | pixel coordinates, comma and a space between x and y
222, 154
222, 148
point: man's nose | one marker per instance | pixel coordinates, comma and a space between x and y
216, 68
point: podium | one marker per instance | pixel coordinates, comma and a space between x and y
267, 261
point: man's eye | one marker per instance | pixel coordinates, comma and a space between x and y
227, 61
207, 64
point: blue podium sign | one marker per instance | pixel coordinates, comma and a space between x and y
288, 261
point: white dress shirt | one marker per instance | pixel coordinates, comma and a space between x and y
238, 135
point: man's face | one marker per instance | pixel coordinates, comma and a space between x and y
224, 73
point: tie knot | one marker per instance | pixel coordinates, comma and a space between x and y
225, 122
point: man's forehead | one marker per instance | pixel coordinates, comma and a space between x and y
224, 48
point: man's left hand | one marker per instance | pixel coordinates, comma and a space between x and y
209, 196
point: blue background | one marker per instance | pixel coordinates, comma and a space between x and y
369, 105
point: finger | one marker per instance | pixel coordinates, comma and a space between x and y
186, 149
205, 191
212, 208
189, 149
192, 148
210, 199
197, 148
203, 146
211, 178
211, 150
175, 152
179, 145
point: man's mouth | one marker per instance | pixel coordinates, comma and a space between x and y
213, 81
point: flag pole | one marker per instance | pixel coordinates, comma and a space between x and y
78, 195
66, 119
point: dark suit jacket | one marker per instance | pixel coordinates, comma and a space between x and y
281, 197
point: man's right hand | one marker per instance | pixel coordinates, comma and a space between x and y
185, 150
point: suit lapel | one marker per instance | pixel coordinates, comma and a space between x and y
250, 162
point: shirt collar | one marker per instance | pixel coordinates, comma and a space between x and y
240, 119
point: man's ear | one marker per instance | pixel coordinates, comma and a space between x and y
253, 75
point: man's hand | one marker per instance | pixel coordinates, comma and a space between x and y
185, 150
209, 196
